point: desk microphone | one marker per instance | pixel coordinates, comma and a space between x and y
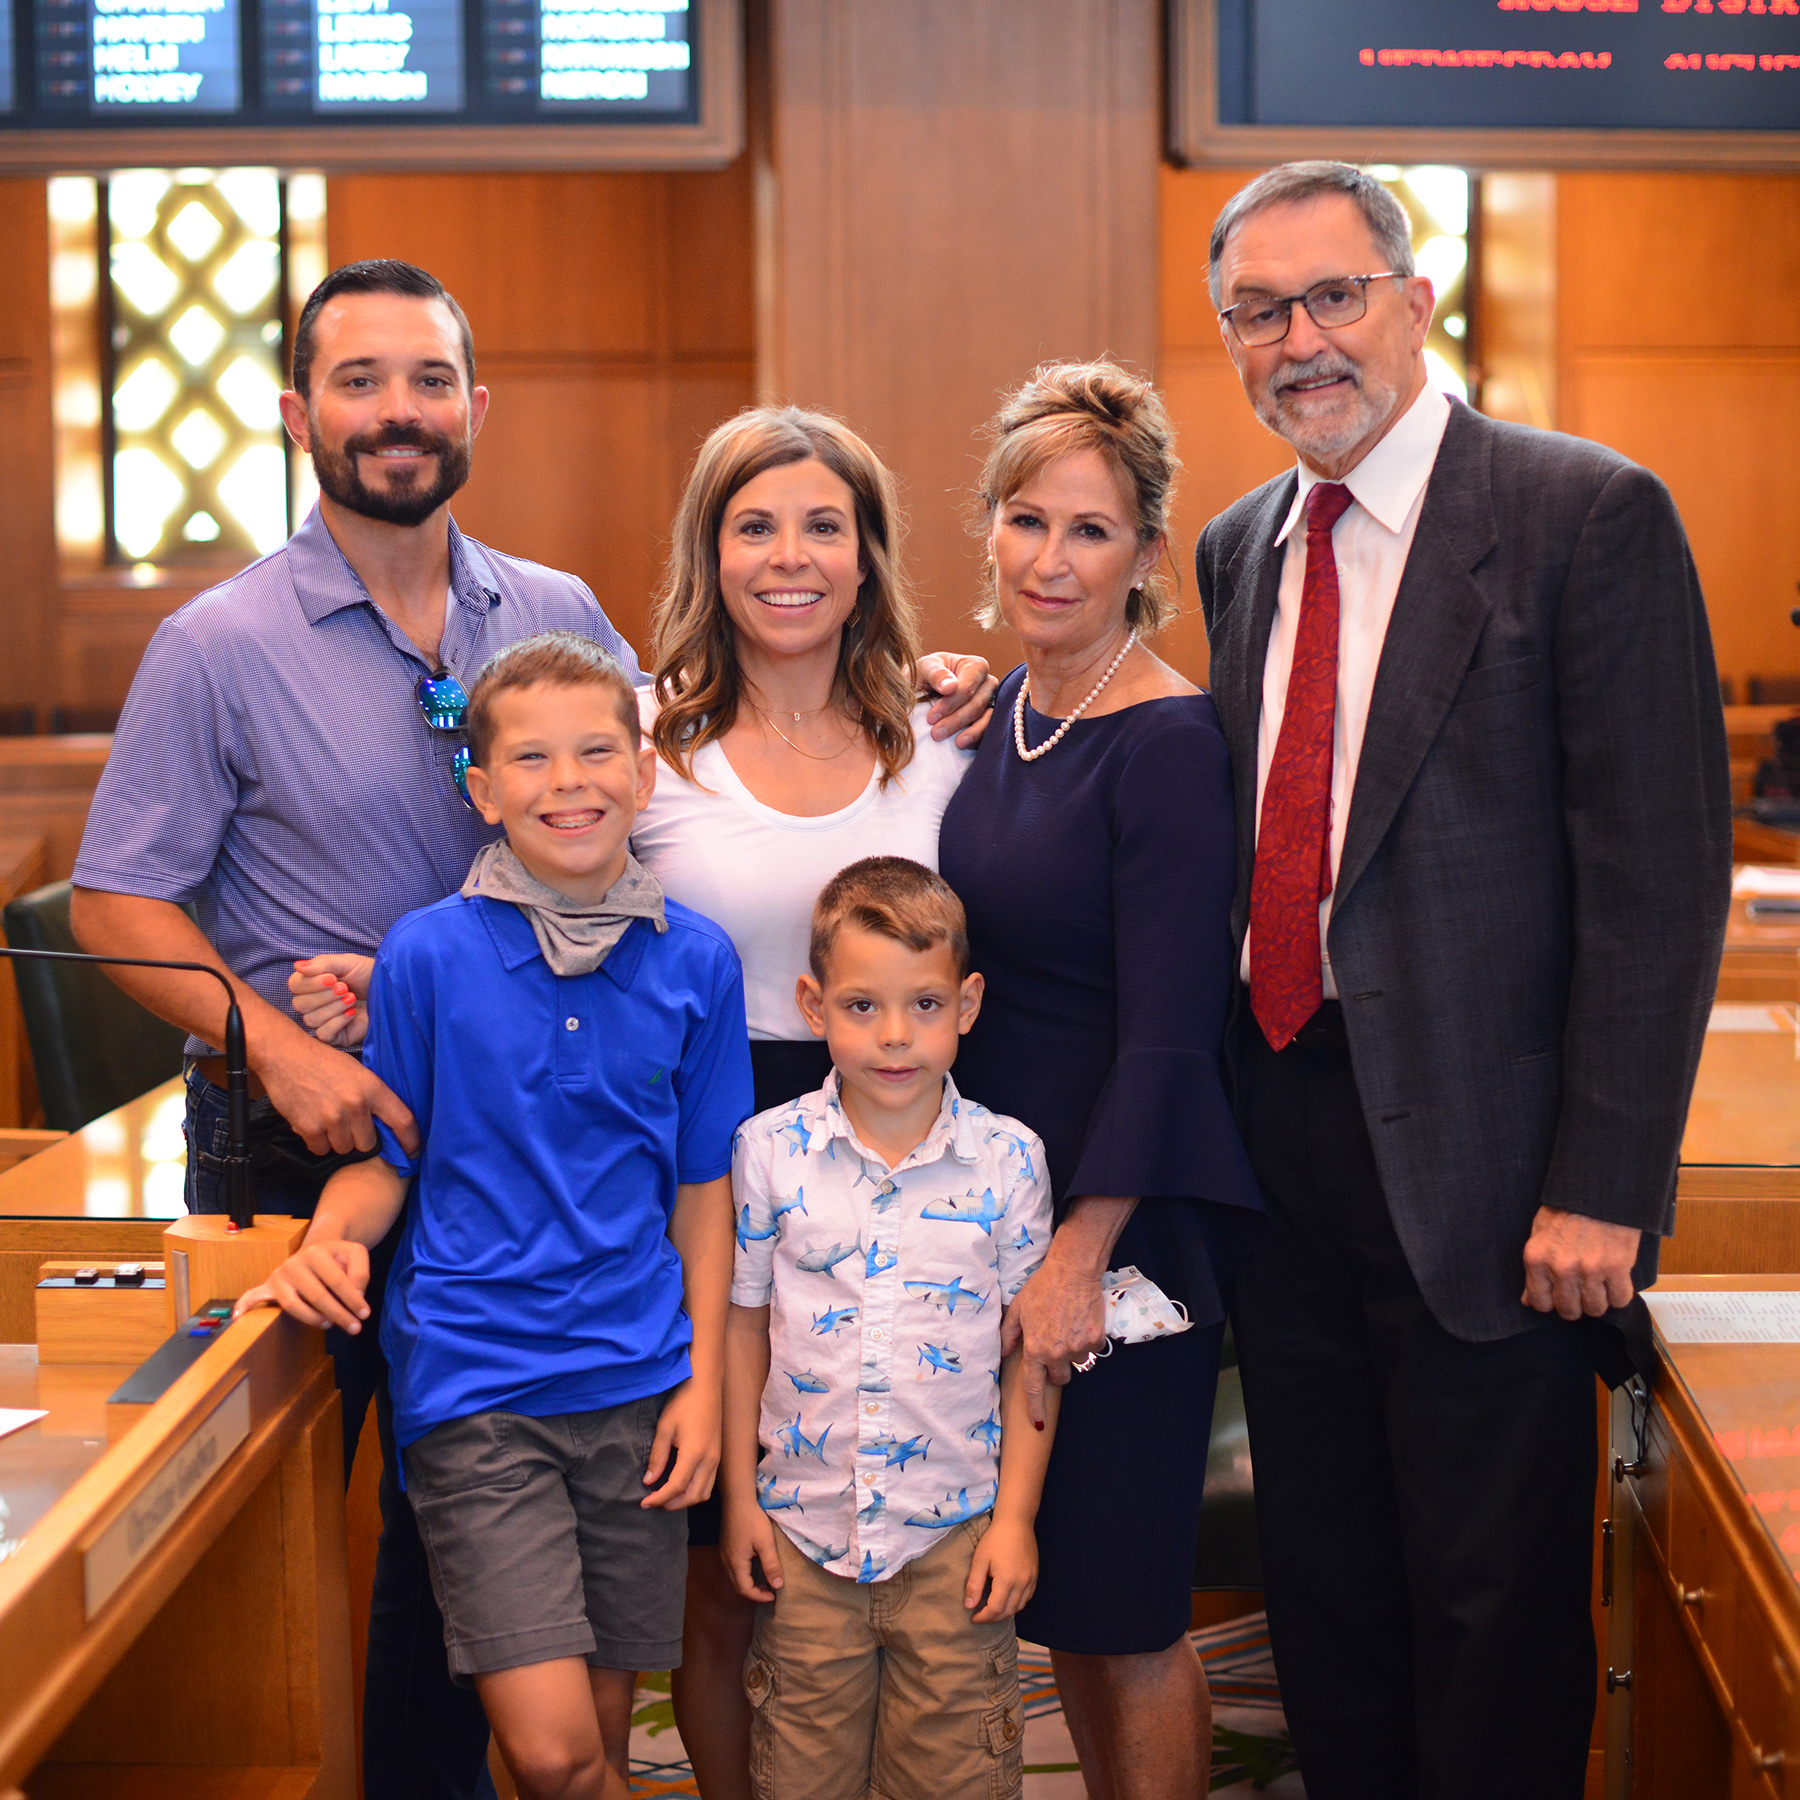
240, 1199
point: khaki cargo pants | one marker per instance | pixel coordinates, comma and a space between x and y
885, 1690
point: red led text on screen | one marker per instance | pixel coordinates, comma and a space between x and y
1485, 59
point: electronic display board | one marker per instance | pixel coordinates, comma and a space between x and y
6, 56
312, 66
373, 58
1682, 80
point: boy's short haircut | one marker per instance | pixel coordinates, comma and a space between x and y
896, 898
558, 659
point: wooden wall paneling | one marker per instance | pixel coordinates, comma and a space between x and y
613, 319
948, 195
1225, 450
552, 265
1723, 430
27, 529
1657, 260
1518, 298
1678, 328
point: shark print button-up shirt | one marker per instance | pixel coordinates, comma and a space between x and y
881, 1418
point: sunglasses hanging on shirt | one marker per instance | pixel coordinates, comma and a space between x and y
443, 702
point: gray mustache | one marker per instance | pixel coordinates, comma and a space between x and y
1312, 369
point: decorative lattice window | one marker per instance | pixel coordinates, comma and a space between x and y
170, 440
1439, 202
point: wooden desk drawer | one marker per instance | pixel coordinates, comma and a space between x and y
1763, 1687
1704, 1570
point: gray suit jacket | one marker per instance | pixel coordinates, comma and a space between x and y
1536, 869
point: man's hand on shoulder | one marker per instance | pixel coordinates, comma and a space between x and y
964, 693
329, 1098
1576, 1265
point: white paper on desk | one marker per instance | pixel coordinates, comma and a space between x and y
1741, 1015
1755, 878
16, 1418
1726, 1318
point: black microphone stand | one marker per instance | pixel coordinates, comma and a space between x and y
240, 1198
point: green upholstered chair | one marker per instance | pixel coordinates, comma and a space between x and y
93, 1046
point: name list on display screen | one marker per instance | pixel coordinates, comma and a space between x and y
297, 62
119, 59
325, 57
589, 52
564, 58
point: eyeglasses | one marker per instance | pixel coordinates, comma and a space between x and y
442, 700
1340, 301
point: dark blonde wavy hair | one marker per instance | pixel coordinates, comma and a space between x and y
699, 685
1073, 406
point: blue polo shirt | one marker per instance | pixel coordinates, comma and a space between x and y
535, 1274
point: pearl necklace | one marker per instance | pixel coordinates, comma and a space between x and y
1056, 736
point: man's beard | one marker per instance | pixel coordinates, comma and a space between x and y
407, 501
1345, 426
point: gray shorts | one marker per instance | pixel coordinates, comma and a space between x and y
539, 1545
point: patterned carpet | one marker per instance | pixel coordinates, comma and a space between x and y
1250, 1748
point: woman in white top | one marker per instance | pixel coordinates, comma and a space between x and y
790, 744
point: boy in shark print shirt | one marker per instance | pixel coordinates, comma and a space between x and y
883, 1225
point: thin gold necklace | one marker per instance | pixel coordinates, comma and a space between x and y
810, 755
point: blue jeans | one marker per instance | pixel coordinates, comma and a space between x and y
424, 1738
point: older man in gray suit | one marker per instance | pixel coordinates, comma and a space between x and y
1484, 831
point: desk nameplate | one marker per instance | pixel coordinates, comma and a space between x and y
165, 1497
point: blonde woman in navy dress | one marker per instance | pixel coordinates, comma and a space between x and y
1092, 843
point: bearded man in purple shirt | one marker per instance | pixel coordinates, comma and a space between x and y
286, 766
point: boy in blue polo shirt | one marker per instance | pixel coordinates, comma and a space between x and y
573, 1047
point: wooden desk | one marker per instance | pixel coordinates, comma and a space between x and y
1739, 1184
101, 1195
175, 1620
24, 865
1703, 1610
1750, 735
1754, 842
1749, 730
1762, 956
46, 786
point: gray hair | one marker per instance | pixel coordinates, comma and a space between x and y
1297, 182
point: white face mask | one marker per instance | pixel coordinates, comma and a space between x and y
1137, 1310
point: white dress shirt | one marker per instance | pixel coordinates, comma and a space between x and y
1371, 542
756, 872
881, 1417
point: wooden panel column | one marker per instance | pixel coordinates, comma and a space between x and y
27, 530
949, 194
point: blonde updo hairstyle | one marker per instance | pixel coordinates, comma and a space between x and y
699, 686
1075, 406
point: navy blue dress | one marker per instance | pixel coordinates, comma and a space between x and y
1098, 882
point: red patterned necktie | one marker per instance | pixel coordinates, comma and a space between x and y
1292, 872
